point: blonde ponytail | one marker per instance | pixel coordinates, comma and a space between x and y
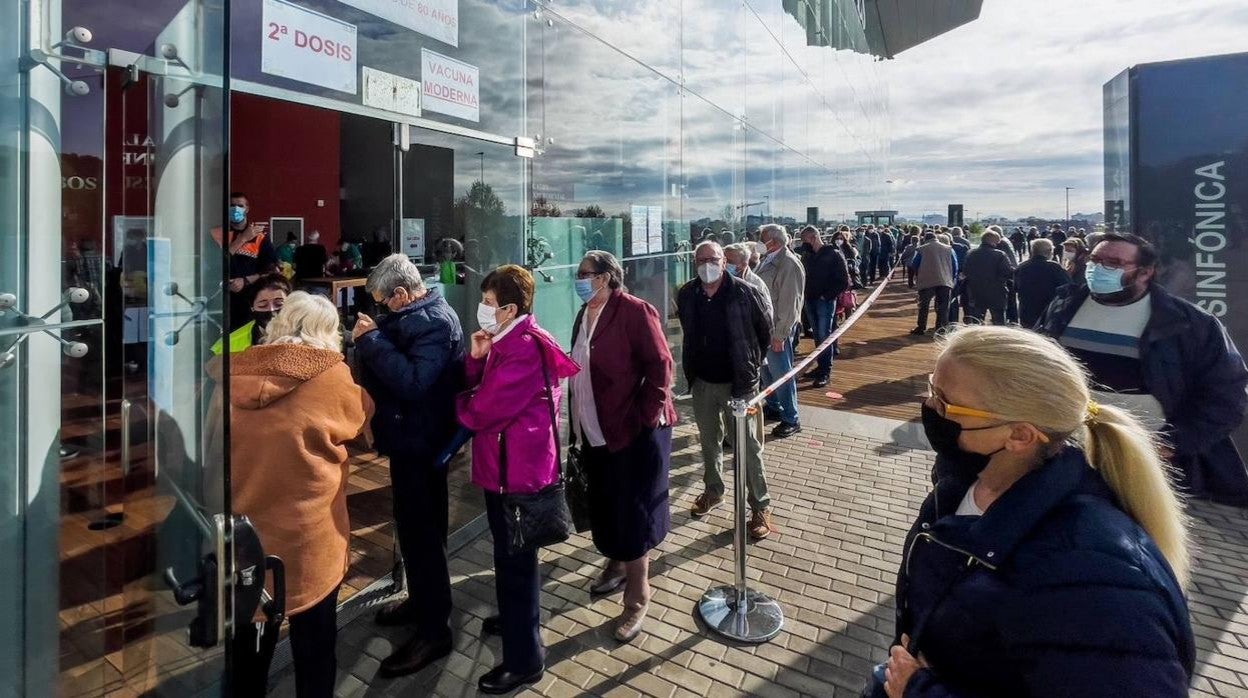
1125, 453
1029, 378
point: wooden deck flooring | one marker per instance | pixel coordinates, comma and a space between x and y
882, 369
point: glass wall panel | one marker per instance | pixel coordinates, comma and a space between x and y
714, 33
112, 296
648, 31
607, 176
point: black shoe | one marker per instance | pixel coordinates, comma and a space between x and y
918, 331
397, 614
492, 625
820, 382
417, 654
784, 430
498, 680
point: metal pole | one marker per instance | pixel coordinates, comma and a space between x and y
737, 612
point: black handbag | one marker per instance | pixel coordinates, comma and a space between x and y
576, 489
539, 519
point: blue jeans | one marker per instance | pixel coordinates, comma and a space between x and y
821, 314
784, 400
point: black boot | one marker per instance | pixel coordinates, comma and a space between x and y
417, 654
498, 680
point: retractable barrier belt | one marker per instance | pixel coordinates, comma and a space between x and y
735, 611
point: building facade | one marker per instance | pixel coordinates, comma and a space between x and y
465, 133
1176, 172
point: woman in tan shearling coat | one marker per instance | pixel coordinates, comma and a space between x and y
293, 408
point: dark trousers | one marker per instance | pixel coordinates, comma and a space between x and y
941, 296
313, 635
884, 264
518, 586
873, 263
979, 312
821, 314
420, 515
910, 276
1011, 307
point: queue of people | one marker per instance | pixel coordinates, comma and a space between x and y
1051, 556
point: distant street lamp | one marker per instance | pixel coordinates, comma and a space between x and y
482, 156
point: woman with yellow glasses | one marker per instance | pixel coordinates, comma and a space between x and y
1051, 556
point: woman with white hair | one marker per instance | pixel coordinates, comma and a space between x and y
1051, 557
293, 408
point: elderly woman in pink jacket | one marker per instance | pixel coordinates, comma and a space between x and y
507, 408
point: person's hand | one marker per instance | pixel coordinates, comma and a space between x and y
900, 668
363, 325
481, 343
777, 345
252, 232
237, 285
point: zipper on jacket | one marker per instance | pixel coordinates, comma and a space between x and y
970, 557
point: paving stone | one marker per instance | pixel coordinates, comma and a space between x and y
843, 505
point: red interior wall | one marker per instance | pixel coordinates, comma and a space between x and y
285, 157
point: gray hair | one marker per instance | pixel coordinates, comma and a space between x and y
306, 319
606, 263
707, 243
395, 271
1042, 248
740, 250
775, 231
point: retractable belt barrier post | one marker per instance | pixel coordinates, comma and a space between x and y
738, 612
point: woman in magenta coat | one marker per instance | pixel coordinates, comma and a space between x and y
507, 408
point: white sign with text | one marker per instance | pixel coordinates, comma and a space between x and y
436, 18
308, 46
449, 86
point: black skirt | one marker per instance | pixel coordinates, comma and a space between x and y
628, 495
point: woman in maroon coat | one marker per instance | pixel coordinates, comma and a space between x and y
622, 415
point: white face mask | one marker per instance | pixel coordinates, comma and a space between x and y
710, 273
1068, 256
487, 318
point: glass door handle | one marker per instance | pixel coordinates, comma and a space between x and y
125, 437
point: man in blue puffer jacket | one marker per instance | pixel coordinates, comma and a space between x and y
412, 364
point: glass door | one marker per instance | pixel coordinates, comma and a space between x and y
113, 474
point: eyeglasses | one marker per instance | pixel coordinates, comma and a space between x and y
1111, 262
265, 306
707, 260
586, 274
946, 408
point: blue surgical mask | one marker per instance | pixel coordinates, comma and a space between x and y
585, 290
238, 215
732, 270
1103, 281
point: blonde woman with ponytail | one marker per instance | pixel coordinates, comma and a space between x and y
1051, 556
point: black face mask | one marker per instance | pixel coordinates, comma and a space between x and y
942, 433
262, 317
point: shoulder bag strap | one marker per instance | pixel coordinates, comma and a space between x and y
550, 396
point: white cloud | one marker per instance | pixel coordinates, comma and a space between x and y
1002, 114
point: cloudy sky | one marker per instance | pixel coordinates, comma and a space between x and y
1003, 113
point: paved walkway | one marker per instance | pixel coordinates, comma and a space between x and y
843, 504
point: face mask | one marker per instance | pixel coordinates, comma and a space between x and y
487, 318
238, 215
709, 273
585, 290
761, 248
732, 271
1103, 281
942, 433
1068, 256
262, 317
